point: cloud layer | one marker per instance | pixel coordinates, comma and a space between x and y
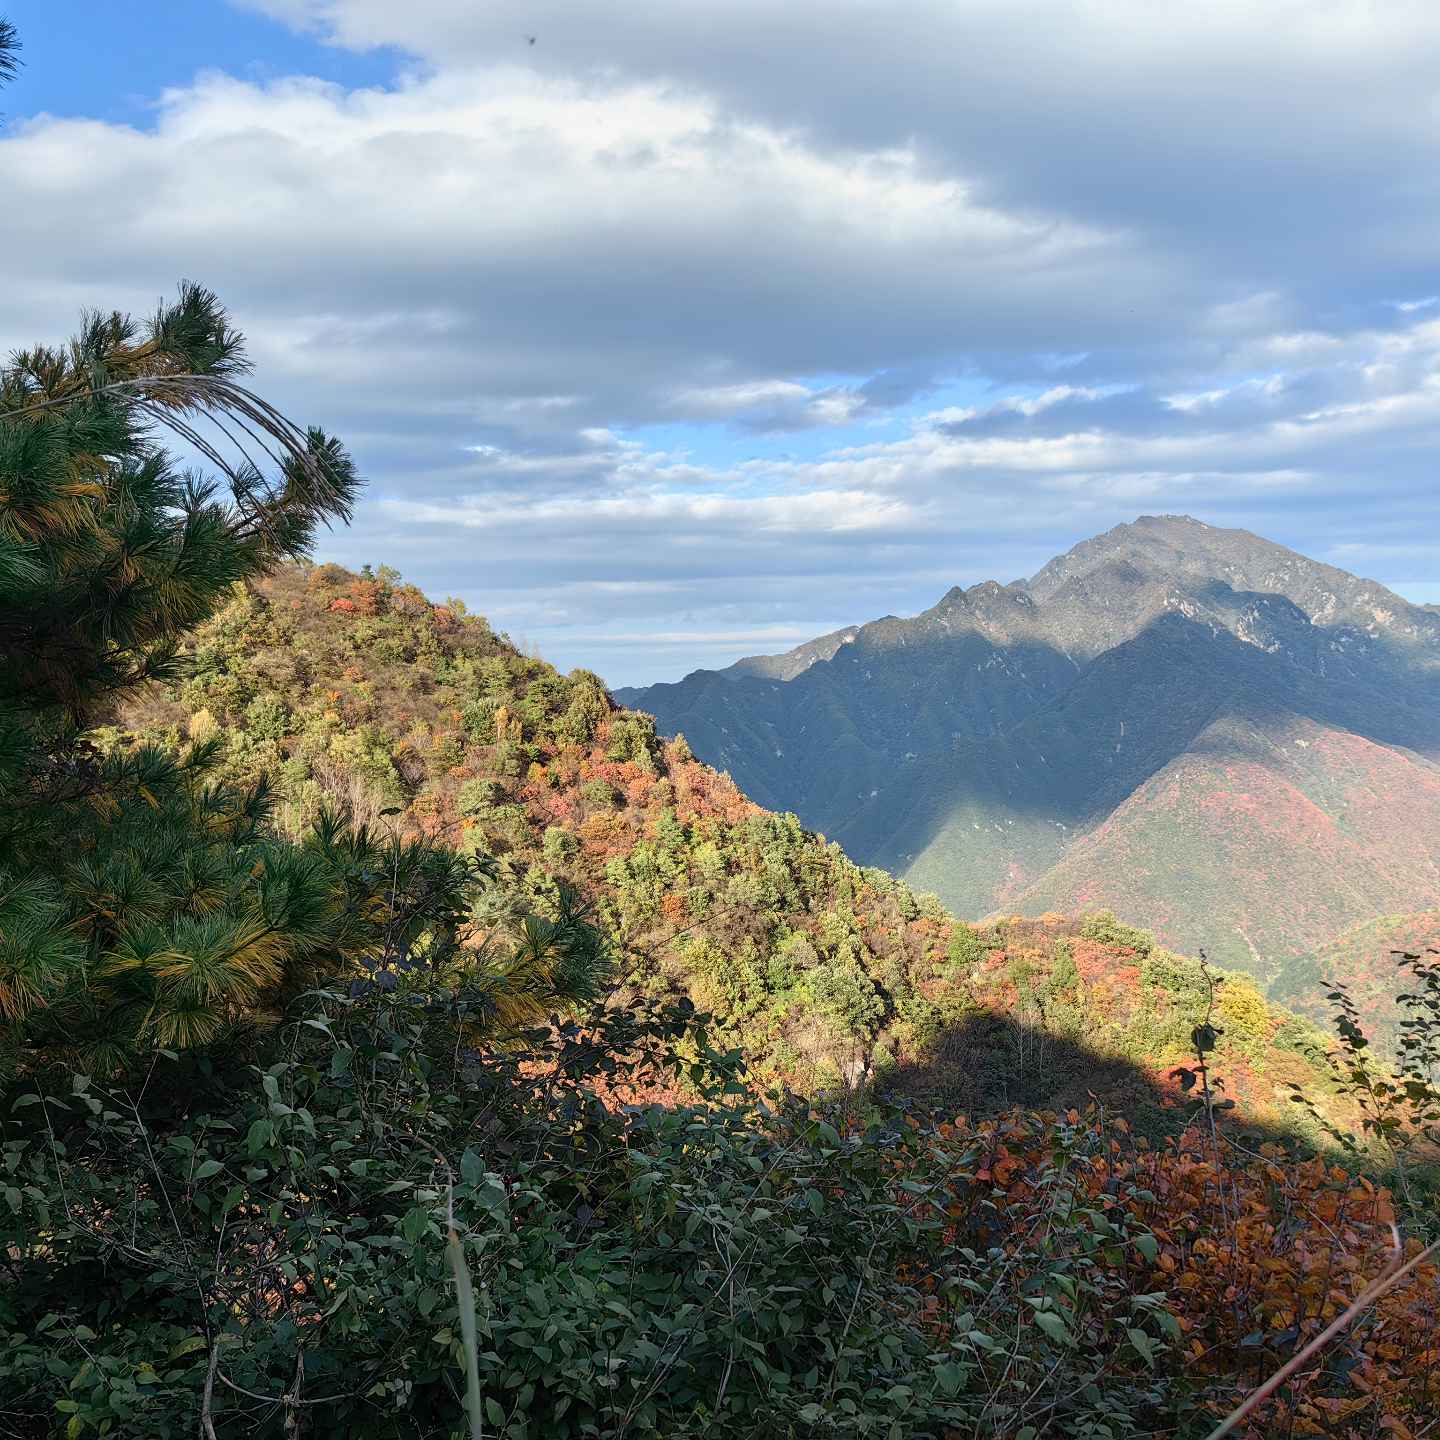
742, 322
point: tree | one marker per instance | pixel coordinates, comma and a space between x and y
108, 553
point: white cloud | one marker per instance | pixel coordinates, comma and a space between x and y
568, 302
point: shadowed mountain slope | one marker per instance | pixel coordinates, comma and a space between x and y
1011, 730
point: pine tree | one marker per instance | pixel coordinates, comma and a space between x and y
143, 903
135, 897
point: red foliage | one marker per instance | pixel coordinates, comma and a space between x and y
367, 597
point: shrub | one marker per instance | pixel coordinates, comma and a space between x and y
476, 795
266, 718
1103, 928
968, 947
599, 793
843, 991
559, 845
333, 576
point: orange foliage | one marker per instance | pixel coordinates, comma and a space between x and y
1254, 1256
367, 597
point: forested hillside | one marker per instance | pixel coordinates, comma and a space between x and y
335, 687
1153, 710
1371, 960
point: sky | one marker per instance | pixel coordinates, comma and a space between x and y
670, 331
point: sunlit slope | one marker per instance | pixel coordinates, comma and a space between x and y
1269, 831
1365, 959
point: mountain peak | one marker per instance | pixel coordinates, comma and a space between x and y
1161, 546
792, 662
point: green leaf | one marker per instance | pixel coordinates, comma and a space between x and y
493, 1197
1053, 1324
209, 1168
816, 1201
643, 1185
472, 1168
1148, 1246
496, 1414
1143, 1343
950, 1378
260, 1134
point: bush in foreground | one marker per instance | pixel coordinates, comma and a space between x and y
265, 1253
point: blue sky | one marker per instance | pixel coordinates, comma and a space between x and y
112, 59
692, 331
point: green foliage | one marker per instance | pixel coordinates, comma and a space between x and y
632, 737
598, 792
236, 1248
844, 992
109, 553
589, 706
559, 845
1397, 1105
1105, 929
969, 947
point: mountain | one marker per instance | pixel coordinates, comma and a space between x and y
1231, 742
356, 690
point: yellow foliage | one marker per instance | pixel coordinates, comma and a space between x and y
1241, 1003
203, 726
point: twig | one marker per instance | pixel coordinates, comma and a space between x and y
1382, 1282
286, 1400
207, 1428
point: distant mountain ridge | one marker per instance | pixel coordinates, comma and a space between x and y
1014, 739
792, 662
